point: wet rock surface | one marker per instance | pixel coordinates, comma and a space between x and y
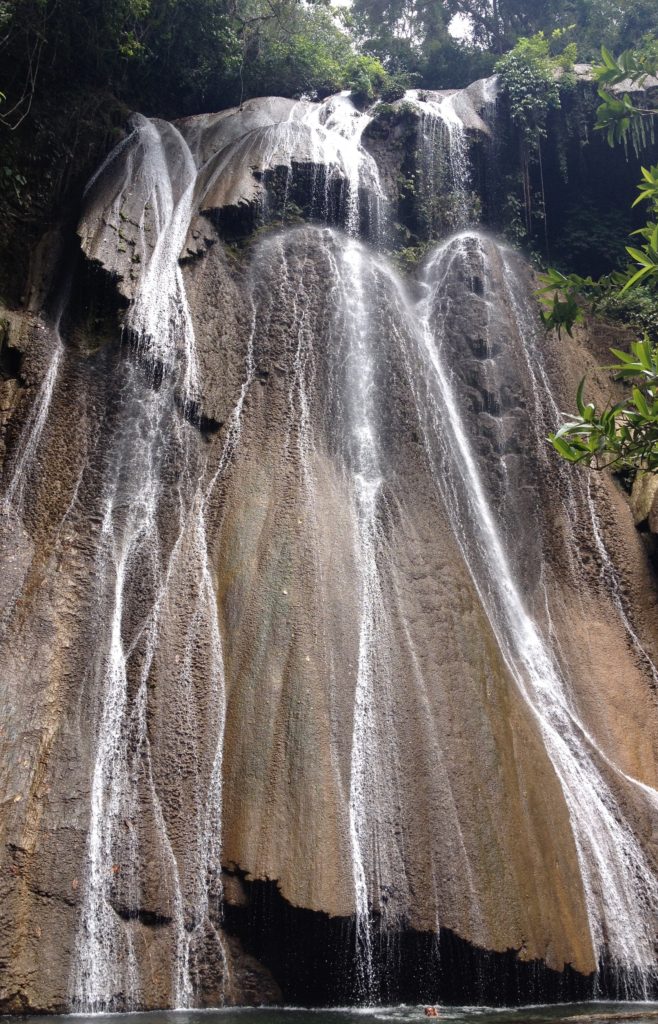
273, 726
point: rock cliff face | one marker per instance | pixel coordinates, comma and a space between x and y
322, 679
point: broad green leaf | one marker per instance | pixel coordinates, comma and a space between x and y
641, 402
608, 59
625, 357
564, 449
637, 277
640, 256
571, 428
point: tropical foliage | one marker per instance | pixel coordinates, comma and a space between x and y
70, 70
533, 74
172, 57
623, 434
616, 24
623, 120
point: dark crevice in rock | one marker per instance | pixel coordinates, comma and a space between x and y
482, 349
92, 317
92, 321
136, 348
10, 360
150, 918
191, 411
197, 246
302, 193
311, 956
234, 223
15, 1003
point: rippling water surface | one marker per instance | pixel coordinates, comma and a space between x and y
596, 1013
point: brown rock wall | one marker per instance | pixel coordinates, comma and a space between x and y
204, 574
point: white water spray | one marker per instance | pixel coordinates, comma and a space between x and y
31, 434
444, 155
620, 887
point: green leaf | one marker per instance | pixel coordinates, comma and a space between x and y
626, 371
564, 449
637, 277
640, 256
624, 357
642, 350
641, 403
608, 59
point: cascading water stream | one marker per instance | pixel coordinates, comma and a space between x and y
161, 180
580, 499
444, 165
323, 136
339, 118
352, 368
612, 583
356, 290
204, 631
129, 541
106, 963
367, 484
28, 444
159, 316
378, 860
620, 887
104, 946
150, 438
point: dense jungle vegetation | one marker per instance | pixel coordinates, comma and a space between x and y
70, 71
77, 60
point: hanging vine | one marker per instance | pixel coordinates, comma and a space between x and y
533, 81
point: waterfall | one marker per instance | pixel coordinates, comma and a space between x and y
445, 176
159, 316
28, 444
334, 383
323, 137
160, 179
620, 886
581, 499
314, 530
31, 433
612, 584
106, 963
340, 120
373, 632
149, 441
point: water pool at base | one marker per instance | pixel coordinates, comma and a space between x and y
594, 1012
